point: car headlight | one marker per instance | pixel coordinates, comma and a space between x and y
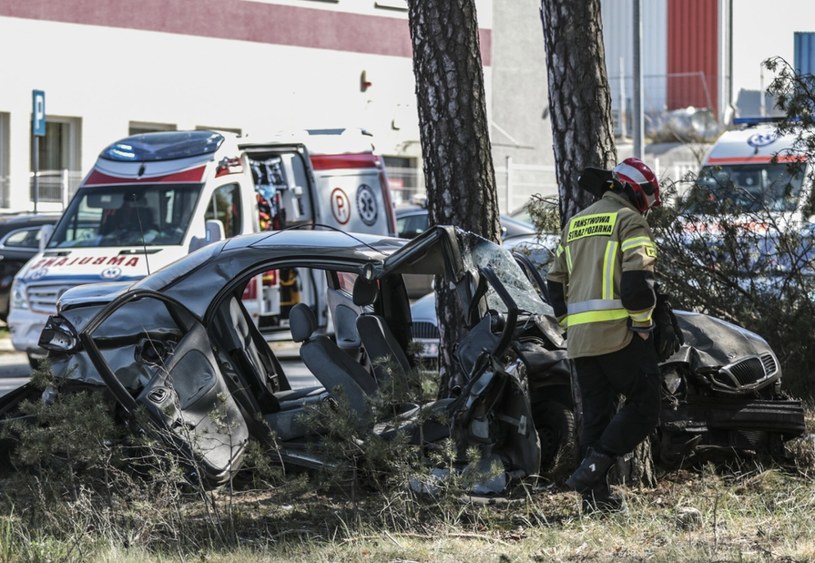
58, 335
18, 298
672, 380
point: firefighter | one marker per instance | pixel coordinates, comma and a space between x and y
602, 289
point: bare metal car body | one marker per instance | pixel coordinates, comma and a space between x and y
179, 346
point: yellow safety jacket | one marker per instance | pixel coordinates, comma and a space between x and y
601, 280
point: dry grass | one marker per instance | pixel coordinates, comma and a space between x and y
745, 512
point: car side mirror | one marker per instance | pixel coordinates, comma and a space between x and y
45, 235
213, 232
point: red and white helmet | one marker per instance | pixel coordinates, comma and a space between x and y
634, 174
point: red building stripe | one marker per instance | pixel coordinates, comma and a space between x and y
693, 57
239, 20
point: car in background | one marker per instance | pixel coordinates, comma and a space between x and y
413, 220
19, 242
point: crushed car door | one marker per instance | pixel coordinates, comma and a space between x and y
434, 252
156, 357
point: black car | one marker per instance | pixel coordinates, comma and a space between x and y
19, 242
412, 220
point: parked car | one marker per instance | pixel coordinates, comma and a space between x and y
19, 242
413, 220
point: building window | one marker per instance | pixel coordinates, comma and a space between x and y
400, 5
235, 130
4, 156
140, 127
59, 160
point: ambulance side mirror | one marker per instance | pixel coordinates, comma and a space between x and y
213, 232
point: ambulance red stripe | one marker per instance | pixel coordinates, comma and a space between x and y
192, 175
337, 161
757, 159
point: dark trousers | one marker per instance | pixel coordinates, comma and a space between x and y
632, 372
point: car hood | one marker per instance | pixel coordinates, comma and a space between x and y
716, 342
92, 293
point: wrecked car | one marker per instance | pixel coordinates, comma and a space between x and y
184, 362
181, 358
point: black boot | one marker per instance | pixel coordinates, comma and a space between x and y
592, 470
600, 499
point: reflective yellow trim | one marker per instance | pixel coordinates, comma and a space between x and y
569, 260
631, 243
594, 305
596, 317
641, 317
609, 262
559, 250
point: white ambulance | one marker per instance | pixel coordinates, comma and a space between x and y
153, 198
753, 170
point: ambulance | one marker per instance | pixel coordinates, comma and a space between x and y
754, 170
150, 199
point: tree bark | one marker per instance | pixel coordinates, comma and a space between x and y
583, 135
579, 96
454, 132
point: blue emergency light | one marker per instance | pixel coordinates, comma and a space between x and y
150, 147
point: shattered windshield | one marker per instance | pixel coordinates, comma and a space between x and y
150, 215
746, 188
488, 254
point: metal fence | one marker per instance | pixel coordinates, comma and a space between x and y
515, 184
55, 186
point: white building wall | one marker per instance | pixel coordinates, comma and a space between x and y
105, 78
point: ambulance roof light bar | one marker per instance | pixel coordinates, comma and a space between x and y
164, 145
756, 120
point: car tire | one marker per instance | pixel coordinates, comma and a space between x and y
557, 432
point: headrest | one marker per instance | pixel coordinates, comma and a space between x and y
365, 291
302, 322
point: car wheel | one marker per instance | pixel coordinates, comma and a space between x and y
557, 432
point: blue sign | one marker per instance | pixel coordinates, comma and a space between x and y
38, 112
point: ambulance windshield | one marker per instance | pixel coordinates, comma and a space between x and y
746, 188
144, 215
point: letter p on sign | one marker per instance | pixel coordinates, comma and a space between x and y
38, 112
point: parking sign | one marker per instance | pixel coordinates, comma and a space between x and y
38, 112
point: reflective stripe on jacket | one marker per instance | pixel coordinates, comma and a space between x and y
605, 265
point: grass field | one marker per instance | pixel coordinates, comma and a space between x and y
77, 496
749, 513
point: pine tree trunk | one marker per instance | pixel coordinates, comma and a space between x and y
579, 96
458, 168
582, 135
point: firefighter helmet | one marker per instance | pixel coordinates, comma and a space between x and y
639, 182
